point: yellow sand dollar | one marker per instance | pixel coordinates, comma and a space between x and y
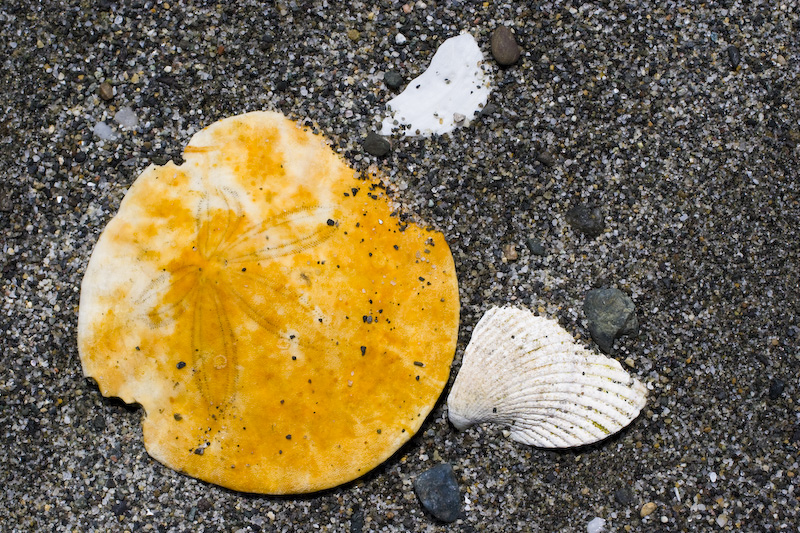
283, 332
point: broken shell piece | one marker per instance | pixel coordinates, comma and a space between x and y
268, 312
528, 372
455, 85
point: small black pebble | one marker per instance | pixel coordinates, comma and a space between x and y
120, 508
199, 451
586, 219
33, 427
204, 504
776, 388
180, 365
99, 423
734, 56
331, 222
357, 520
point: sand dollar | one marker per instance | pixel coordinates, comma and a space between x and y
283, 331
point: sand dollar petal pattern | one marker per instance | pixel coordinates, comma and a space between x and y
283, 331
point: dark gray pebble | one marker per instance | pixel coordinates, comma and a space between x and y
393, 79
734, 56
489, 109
623, 496
505, 49
536, 247
120, 508
776, 387
99, 423
6, 203
546, 158
586, 219
377, 145
611, 314
357, 520
437, 489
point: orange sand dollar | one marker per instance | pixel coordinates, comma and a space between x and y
283, 332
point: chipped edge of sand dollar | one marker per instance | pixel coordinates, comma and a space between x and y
527, 372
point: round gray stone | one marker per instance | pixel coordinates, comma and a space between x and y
611, 314
377, 145
437, 489
393, 79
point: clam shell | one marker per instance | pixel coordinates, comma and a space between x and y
528, 372
446, 96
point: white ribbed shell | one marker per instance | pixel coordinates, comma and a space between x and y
528, 372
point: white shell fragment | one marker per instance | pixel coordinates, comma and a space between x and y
528, 372
445, 96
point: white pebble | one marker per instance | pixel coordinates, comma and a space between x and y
596, 525
400, 38
126, 118
104, 131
